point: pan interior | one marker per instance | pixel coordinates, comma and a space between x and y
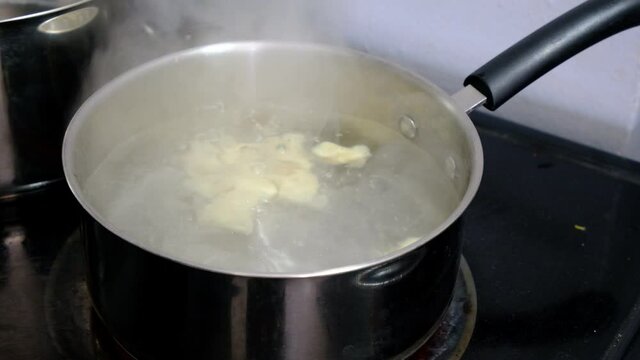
128, 147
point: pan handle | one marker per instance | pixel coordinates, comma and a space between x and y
526, 61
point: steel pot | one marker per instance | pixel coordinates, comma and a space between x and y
45, 47
160, 306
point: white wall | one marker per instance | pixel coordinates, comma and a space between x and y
593, 98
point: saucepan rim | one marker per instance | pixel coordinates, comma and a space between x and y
471, 136
55, 10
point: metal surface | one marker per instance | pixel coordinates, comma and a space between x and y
157, 307
45, 48
375, 309
469, 98
78, 334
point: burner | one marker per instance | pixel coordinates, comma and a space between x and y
106, 346
67, 306
78, 333
450, 340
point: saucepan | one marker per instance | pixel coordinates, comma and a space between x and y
177, 301
45, 49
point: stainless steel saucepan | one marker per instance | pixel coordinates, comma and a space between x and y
160, 306
45, 48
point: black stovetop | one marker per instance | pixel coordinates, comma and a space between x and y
552, 239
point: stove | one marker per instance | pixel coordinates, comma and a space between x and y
552, 242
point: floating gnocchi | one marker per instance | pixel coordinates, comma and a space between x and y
334, 154
236, 177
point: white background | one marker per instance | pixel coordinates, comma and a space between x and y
593, 98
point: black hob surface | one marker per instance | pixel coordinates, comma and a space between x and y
552, 240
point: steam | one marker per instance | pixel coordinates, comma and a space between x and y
141, 30
372, 211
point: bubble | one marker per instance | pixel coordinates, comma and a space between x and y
400, 193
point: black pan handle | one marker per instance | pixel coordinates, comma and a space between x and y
523, 63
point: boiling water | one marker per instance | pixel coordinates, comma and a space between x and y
399, 195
